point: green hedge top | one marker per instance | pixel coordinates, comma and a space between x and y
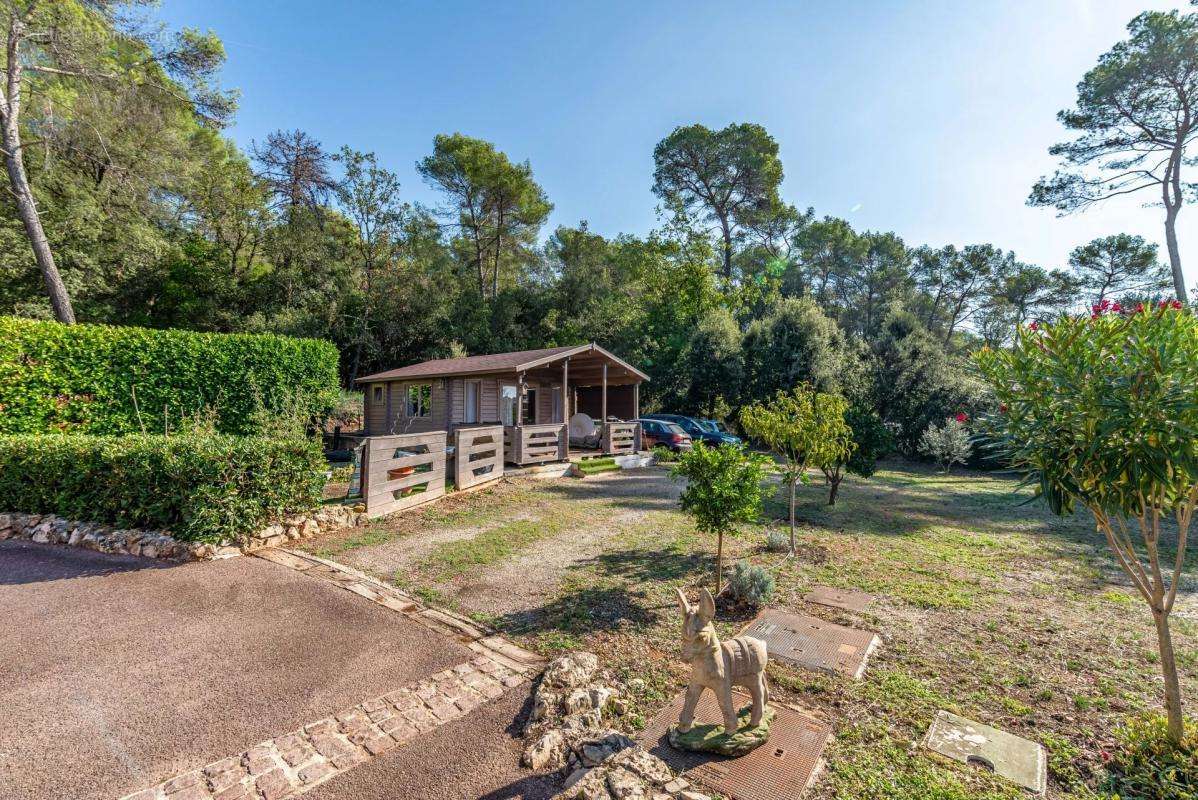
96, 379
201, 488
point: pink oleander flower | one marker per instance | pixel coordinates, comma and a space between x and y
962, 417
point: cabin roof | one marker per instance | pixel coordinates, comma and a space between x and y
518, 361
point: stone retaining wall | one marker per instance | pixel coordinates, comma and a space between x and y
52, 529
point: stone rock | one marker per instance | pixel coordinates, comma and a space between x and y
693, 795
547, 752
595, 751
649, 768
592, 786
575, 777
570, 671
623, 785
309, 528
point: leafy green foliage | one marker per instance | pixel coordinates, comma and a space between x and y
804, 427
1147, 764
1102, 411
750, 584
201, 488
793, 343
947, 444
723, 486
872, 440
98, 379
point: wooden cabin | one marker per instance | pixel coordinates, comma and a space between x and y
532, 393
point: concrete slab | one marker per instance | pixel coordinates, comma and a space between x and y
1019, 760
781, 769
812, 643
845, 599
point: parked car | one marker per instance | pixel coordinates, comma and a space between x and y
659, 433
698, 432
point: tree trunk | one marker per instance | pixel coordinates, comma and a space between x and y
834, 490
727, 233
14, 161
719, 564
1169, 670
1179, 280
792, 517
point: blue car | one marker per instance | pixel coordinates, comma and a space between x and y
709, 434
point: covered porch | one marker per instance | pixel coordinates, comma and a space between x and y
585, 380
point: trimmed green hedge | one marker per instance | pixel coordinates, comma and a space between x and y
201, 488
86, 378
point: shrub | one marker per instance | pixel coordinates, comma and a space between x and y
664, 455
751, 585
1100, 412
806, 428
946, 444
104, 380
1146, 764
201, 488
723, 488
777, 542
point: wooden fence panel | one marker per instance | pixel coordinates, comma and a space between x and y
534, 444
403, 471
478, 455
620, 437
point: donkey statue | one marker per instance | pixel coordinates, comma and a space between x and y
719, 667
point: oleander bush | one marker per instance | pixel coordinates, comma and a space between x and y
106, 380
200, 487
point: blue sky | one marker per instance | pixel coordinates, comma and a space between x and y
931, 119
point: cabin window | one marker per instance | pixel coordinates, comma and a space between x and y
556, 397
377, 395
507, 404
473, 398
529, 414
420, 399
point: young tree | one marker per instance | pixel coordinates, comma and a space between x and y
1100, 412
1135, 119
804, 427
947, 444
1117, 264
723, 488
496, 205
88, 44
730, 175
870, 441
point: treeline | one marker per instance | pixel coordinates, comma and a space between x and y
157, 219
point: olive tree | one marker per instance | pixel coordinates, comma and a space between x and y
947, 444
871, 440
723, 488
805, 428
1100, 411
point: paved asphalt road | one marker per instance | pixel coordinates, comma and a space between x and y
119, 672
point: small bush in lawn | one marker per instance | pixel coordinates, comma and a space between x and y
664, 455
777, 542
947, 444
751, 585
200, 487
1146, 764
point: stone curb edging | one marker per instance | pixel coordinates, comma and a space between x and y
295, 762
53, 529
480, 638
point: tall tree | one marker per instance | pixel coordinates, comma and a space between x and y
730, 176
1119, 263
92, 43
296, 168
1136, 117
369, 197
496, 205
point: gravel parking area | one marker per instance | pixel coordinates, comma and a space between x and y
121, 672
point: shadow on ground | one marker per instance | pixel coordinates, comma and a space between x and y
24, 562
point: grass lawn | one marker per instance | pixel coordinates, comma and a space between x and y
988, 607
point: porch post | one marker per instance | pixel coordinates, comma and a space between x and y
518, 433
603, 413
566, 391
636, 401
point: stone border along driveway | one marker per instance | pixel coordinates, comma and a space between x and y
295, 762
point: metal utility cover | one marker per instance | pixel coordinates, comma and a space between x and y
781, 769
846, 599
1013, 757
812, 643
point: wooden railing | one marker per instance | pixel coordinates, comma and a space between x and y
478, 456
533, 444
619, 438
402, 471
